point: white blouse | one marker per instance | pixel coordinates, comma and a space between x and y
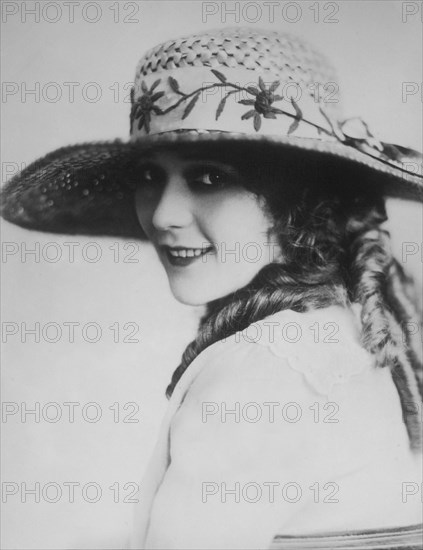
284, 428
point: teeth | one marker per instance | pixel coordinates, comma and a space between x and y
188, 252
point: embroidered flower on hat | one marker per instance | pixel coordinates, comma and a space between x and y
144, 105
264, 97
262, 102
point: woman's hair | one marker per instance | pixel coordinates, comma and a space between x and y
334, 251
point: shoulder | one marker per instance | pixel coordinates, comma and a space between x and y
246, 370
303, 377
313, 351
257, 409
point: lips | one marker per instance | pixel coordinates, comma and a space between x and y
181, 252
181, 256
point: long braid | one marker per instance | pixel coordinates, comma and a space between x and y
385, 308
408, 316
407, 287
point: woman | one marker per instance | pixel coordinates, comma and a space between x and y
331, 261
268, 208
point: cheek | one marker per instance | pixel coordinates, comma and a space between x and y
239, 218
144, 210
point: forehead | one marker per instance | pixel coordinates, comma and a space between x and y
188, 153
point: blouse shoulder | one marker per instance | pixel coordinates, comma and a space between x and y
323, 346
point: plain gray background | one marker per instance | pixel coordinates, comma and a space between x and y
375, 52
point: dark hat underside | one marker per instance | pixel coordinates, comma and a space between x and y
88, 189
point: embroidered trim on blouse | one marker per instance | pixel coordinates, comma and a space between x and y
323, 351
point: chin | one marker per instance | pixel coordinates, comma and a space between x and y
196, 295
191, 296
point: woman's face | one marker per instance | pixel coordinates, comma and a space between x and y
211, 234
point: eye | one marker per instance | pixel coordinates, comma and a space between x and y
151, 174
213, 177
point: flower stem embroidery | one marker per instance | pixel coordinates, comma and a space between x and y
261, 102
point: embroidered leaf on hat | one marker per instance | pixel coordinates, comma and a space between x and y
147, 122
293, 126
298, 114
257, 122
219, 75
173, 83
298, 111
222, 103
157, 96
248, 114
274, 85
141, 122
252, 90
220, 107
144, 87
262, 85
155, 84
190, 105
334, 125
246, 101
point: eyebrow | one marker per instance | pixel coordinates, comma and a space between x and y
198, 156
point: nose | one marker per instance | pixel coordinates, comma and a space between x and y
174, 207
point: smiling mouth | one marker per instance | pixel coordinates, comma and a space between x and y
180, 256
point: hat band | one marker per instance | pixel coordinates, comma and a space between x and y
246, 102
230, 100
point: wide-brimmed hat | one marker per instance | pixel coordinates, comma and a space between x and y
232, 86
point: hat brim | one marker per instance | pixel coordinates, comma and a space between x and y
89, 188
